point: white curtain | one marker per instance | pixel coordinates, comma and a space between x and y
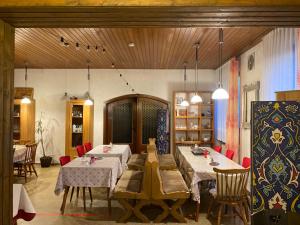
221, 107
280, 62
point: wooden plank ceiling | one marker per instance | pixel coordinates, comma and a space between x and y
155, 48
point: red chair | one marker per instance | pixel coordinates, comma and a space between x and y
80, 150
64, 160
218, 149
246, 162
229, 154
88, 146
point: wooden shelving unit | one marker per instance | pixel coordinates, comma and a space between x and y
79, 125
24, 122
193, 124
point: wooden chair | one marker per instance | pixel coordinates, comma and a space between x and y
168, 185
27, 165
229, 154
80, 150
218, 148
230, 191
88, 146
246, 163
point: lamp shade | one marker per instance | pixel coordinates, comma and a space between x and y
184, 103
196, 99
25, 100
220, 93
89, 102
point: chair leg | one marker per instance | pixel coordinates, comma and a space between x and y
25, 173
72, 193
90, 191
242, 209
33, 168
176, 206
108, 201
63, 205
128, 210
138, 213
220, 214
83, 195
77, 194
210, 205
245, 203
197, 211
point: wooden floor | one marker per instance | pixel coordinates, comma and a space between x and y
47, 204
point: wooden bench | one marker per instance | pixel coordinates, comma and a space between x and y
168, 185
166, 161
134, 186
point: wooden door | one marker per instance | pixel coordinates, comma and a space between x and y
120, 125
147, 120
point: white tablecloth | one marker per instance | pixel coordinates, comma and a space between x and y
79, 173
22, 206
201, 168
123, 152
20, 151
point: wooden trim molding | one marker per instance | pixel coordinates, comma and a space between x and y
167, 16
7, 53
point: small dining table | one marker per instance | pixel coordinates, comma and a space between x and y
20, 151
22, 206
123, 152
201, 167
80, 172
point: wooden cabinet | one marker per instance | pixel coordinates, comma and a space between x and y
79, 125
24, 122
193, 124
288, 95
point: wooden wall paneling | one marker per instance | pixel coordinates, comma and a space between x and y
28, 122
6, 111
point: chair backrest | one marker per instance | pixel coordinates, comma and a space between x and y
246, 162
229, 154
88, 146
64, 160
218, 148
231, 185
80, 150
30, 153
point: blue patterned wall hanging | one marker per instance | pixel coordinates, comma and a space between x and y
275, 156
162, 139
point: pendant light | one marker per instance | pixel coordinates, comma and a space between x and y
220, 92
196, 97
88, 101
184, 103
25, 99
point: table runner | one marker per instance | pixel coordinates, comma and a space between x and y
79, 173
200, 166
123, 152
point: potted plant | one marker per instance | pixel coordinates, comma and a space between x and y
45, 160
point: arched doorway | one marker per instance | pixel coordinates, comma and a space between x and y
132, 119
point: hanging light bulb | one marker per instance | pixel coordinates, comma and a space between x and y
220, 92
184, 103
196, 97
25, 99
88, 101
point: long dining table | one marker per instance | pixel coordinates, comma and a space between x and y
200, 168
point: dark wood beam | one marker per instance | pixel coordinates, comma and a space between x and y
7, 52
168, 16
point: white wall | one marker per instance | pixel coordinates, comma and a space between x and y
248, 77
51, 84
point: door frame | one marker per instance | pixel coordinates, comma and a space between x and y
28, 14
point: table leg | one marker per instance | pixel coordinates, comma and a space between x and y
108, 201
83, 194
63, 205
197, 211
